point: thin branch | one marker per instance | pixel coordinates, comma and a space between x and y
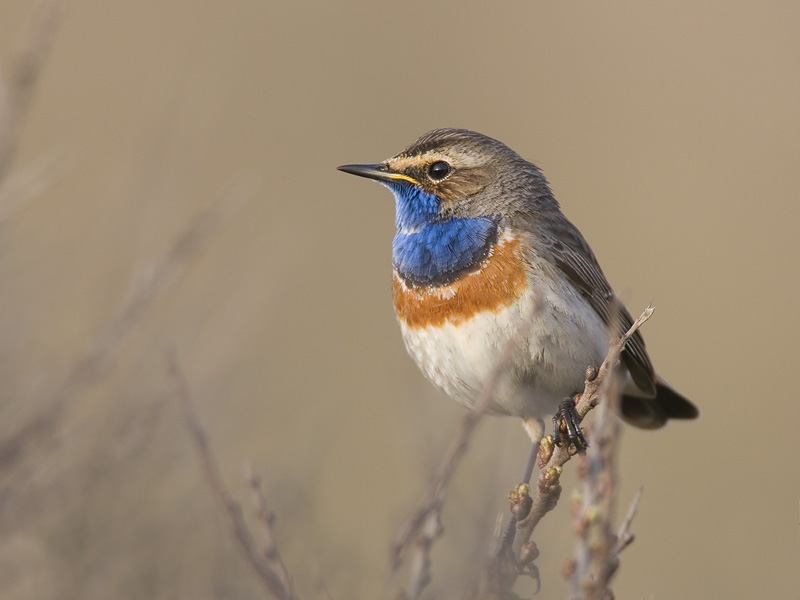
267, 519
102, 350
531, 503
277, 582
595, 561
16, 91
625, 536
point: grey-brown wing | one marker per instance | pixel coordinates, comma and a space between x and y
573, 256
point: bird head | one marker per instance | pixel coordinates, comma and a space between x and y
453, 189
457, 173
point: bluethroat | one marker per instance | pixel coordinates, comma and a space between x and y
480, 241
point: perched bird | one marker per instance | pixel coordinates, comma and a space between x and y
480, 242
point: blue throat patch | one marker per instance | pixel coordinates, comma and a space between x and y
428, 250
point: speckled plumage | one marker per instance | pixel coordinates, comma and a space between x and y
481, 242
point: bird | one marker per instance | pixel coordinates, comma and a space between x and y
483, 253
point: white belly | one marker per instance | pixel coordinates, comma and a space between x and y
561, 338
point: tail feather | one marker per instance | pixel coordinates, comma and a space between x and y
652, 413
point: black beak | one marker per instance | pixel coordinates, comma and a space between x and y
379, 172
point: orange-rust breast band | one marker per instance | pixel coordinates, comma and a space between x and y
499, 282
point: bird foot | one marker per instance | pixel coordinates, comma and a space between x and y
567, 424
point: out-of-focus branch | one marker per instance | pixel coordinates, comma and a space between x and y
17, 87
267, 520
268, 564
102, 350
26, 184
530, 504
625, 536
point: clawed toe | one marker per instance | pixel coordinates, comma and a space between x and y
567, 424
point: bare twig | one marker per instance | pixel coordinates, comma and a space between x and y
529, 506
595, 561
625, 536
267, 519
268, 566
102, 350
16, 91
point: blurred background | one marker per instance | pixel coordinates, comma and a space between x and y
174, 188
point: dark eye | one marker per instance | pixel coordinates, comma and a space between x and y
438, 170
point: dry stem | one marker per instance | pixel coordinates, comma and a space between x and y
267, 565
512, 561
16, 91
102, 350
595, 561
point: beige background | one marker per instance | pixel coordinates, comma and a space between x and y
671, 135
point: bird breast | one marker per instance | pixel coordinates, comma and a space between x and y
457, 333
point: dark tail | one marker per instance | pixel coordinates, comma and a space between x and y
652, 413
